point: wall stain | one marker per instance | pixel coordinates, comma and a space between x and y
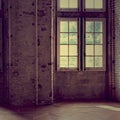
39, 86
28, 13
43, 66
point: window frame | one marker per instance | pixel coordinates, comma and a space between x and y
58, 45
81, 15
104, 46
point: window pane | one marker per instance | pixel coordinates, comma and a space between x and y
63, 3
93, 4
89, 38
72, 26
98, 50
73, 38
73, 62
89, 26
89, 62
89, 3
98, 38
98, 62
63, 61
98, 26
64, 38
99, 4
73, 50
64, 26
89, 50
64, 50
73, 3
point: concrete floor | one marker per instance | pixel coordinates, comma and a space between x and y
64, 111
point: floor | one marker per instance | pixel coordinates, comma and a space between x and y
64, 111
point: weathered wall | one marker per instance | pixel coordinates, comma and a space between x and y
22, 72
117, 50
80, 85
44, 51
30, 52
1, 62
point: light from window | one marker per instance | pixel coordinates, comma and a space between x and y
93, 4
65, 4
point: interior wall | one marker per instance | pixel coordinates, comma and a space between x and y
29, 63
29, 74
83, 85
45, 63
22, 52
1, 61
117, 48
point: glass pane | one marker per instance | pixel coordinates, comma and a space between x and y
89, 26
73, 38
98, 26
63, 61
98, 50
99, 4
89, 62
63, 3
89, 38
64, 26
73, 26
89, 50
73, 3
98, 62
73, 50
98, 38
63, 50
89, 3
93, 4
1, 57
73, 62
64, 38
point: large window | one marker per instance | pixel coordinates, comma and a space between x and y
81, 34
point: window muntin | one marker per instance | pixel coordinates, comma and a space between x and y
88, 49
68, 43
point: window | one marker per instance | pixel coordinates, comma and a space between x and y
81, 34
68, 43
